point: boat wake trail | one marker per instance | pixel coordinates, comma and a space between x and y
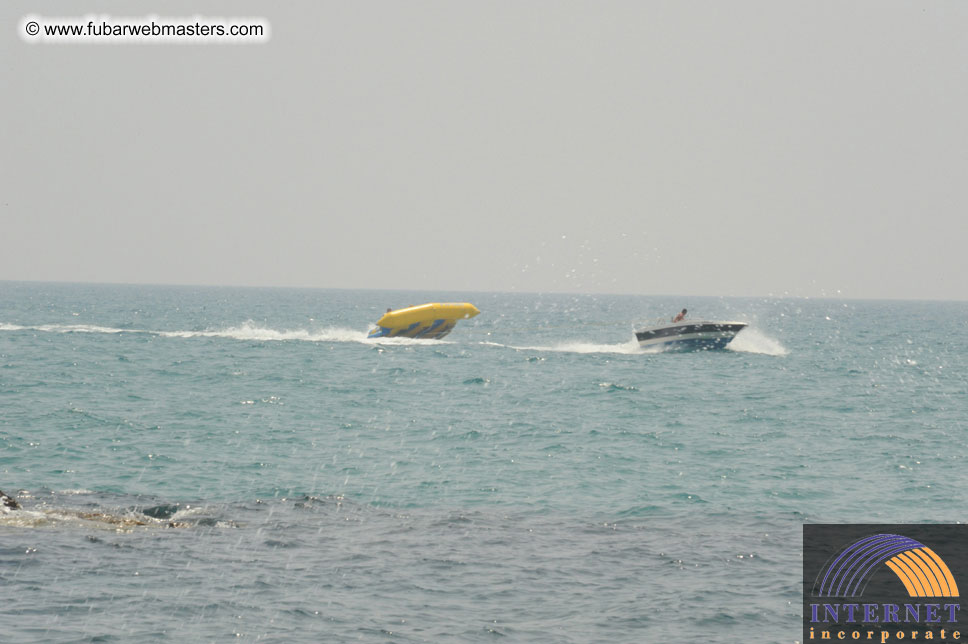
66, 328
625, 348
251, 331
247, 331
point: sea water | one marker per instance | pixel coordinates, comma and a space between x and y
199, 464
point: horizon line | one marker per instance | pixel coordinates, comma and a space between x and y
481, 291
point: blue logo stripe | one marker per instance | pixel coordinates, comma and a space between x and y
856, 562
879, 556
844, 553
871, 556
862, 557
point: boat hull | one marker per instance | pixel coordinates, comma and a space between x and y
689, 336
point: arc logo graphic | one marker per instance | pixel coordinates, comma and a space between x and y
922, 572
883, 583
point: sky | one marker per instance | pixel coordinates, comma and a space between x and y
742, 148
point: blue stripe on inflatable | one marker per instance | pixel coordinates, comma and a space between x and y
407, 333
430, 329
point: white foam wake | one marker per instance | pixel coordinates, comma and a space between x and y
247, 331
751, 340
65, 328
253, 332
625, 348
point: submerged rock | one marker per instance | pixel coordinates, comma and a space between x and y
8, 503
52, 516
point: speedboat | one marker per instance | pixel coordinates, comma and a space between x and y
689, 335
429, 321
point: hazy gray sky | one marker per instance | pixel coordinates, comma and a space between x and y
802, 148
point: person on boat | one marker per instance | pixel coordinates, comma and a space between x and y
680, 317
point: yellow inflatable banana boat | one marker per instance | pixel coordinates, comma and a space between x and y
431, 321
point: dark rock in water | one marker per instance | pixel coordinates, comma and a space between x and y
8, 502
165, 511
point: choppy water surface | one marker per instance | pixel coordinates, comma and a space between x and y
196, 464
